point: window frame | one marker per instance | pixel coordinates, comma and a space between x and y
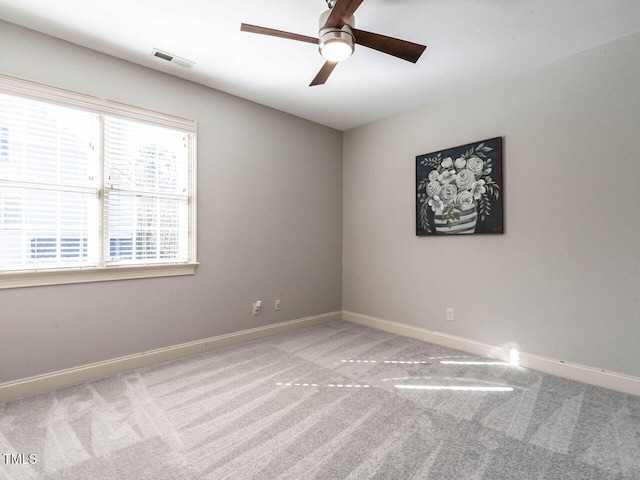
55, 276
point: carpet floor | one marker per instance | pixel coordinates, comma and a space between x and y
335, 401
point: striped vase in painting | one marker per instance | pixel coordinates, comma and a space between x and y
466, 224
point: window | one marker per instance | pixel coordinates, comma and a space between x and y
92, 190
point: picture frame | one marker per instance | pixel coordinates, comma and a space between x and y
459, 190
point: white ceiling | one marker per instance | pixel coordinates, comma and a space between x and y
469, 43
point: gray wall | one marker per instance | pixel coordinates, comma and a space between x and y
269, 223
563, 281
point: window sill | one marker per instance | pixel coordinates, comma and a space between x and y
76, 275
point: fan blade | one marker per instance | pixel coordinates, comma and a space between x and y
277, 33
341, 12
403, 49
324, 73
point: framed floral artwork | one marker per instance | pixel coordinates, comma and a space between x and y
459, 190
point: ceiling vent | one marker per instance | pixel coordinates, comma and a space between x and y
168, 57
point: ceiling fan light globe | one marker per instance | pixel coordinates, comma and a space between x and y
336, 50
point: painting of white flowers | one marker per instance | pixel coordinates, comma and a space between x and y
459, 190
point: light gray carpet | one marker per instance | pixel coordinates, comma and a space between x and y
336, 401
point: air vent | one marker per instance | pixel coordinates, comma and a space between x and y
168, 57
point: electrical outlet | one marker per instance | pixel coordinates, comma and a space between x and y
277, 304
256, 307
451, 314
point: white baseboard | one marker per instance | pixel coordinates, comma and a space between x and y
560, 368
64, 378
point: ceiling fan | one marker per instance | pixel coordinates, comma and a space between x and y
338, 36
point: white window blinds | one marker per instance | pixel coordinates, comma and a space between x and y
146, 193
92, 184
48, 185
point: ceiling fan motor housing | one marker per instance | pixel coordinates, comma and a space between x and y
342, 35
